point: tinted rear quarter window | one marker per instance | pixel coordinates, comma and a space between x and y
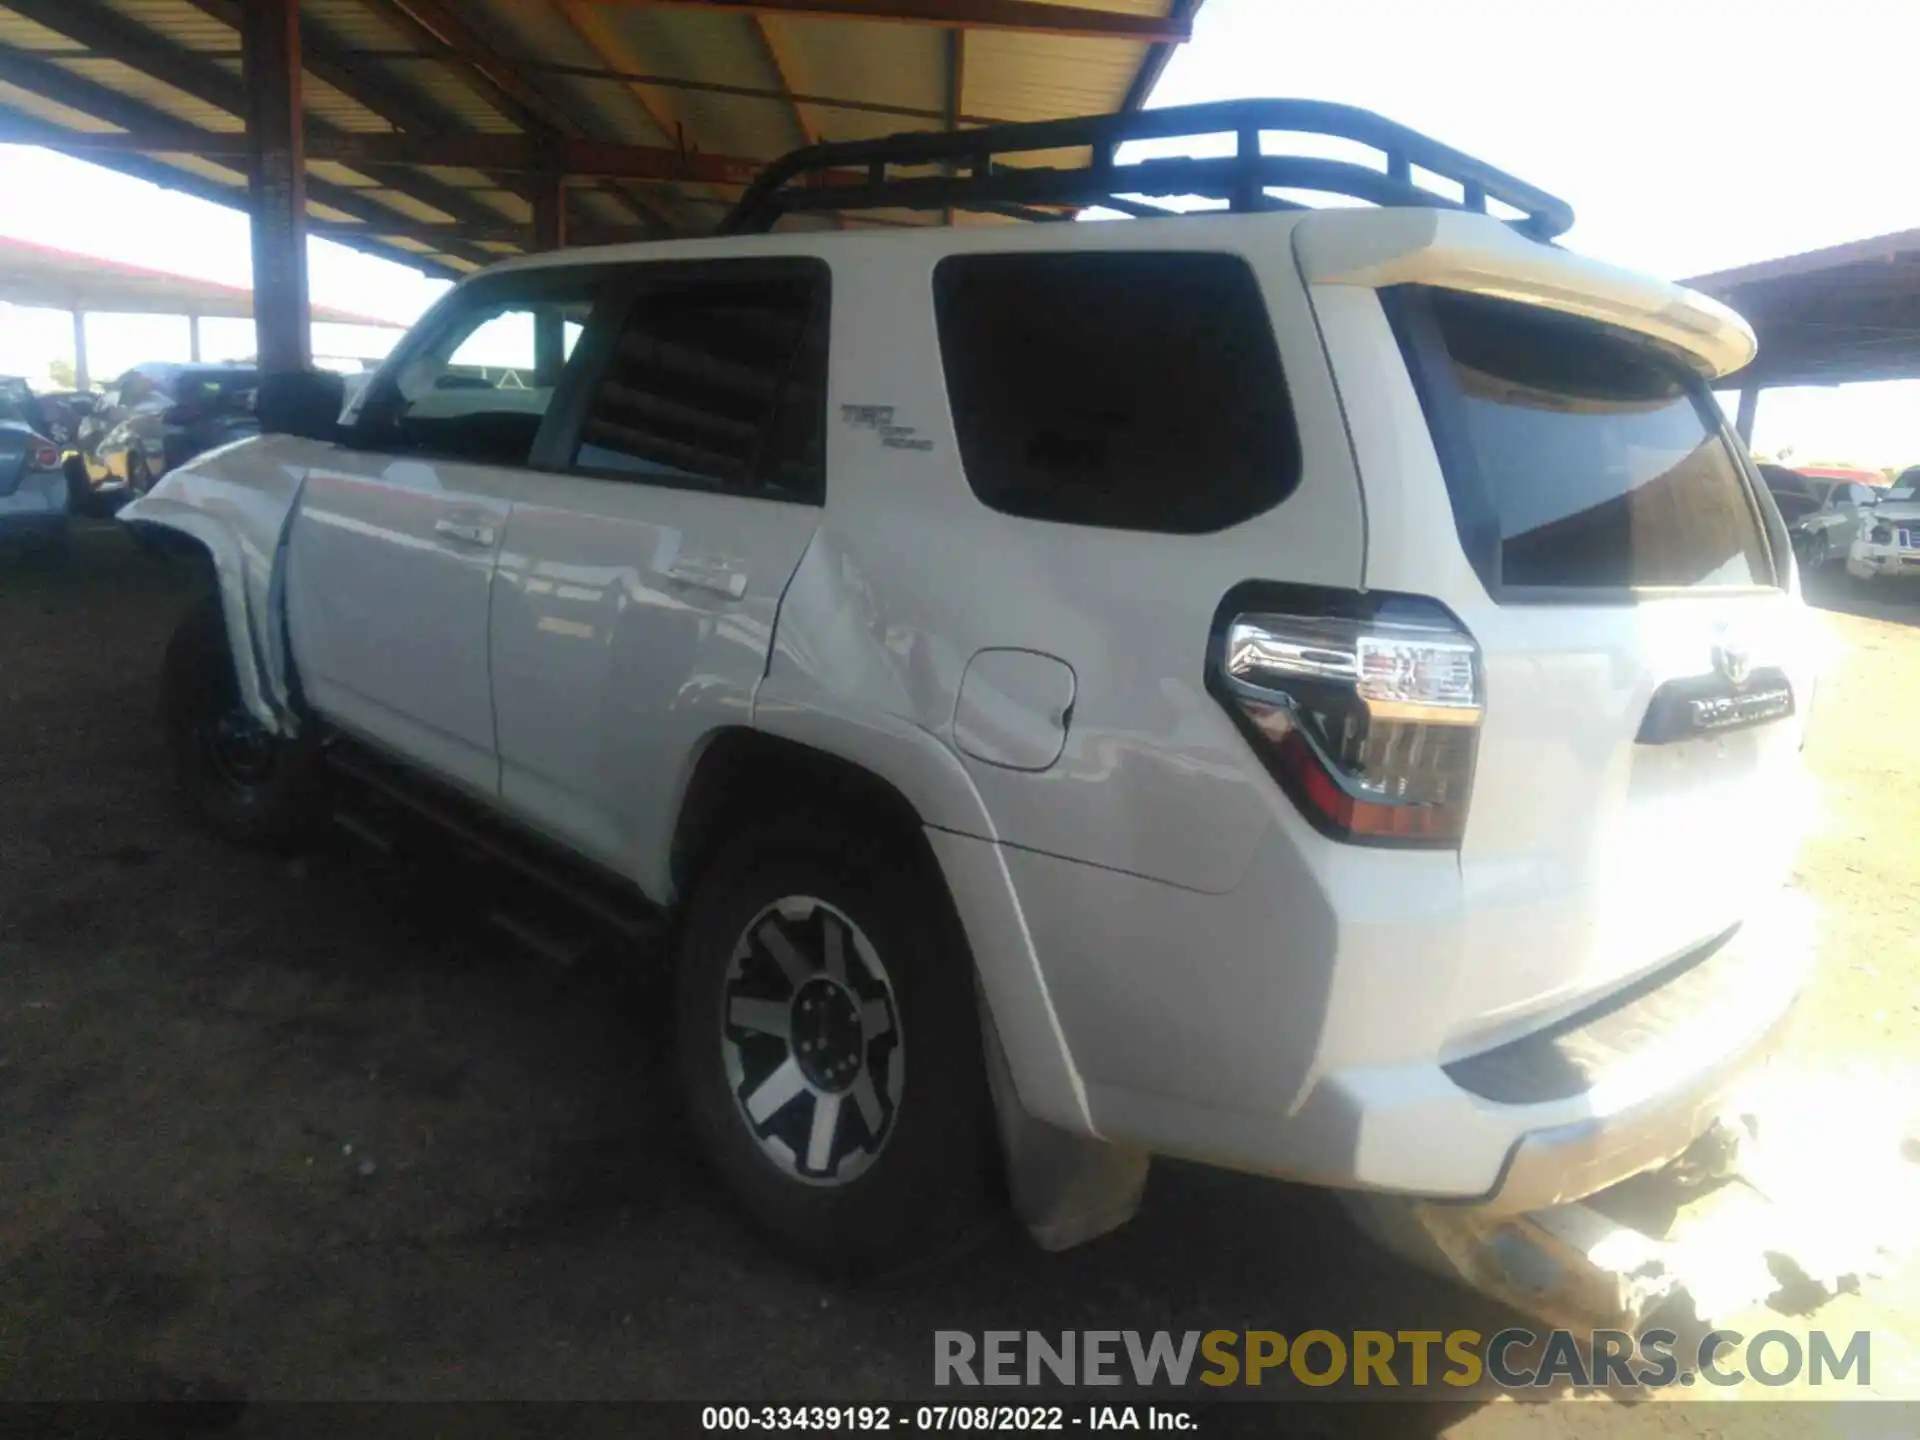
1578, 456
1133, 391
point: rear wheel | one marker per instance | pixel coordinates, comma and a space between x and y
80, 497
829, 1046
242, 779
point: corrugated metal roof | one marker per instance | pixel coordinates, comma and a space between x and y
135, 84
178, 21
24, 34
28, 103
715, 88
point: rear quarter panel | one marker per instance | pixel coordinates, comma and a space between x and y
911, 575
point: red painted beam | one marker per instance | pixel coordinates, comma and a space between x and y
573, 156
1030, 16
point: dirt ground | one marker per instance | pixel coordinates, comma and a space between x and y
297, 1129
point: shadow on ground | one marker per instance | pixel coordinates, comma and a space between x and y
1896, 601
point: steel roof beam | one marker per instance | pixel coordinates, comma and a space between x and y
1030, 16
173, 137
276, 187
111, 37
577, 157
333, 68
438, 28
702, 87
601, 38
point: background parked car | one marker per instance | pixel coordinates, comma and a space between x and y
1795, 494
1799, 498
1826, 532
63, 410
155, 417
1886, 538
33, 492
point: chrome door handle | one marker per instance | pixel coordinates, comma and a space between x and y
467, 532
713, 575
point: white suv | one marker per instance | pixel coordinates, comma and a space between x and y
1318, 692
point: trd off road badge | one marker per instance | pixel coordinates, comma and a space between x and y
879, 419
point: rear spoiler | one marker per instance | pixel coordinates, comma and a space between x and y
1458, 251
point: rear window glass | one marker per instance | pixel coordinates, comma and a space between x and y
1130, 391
1579, 455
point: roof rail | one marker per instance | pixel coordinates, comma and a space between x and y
973, 176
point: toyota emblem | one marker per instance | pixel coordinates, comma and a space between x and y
1733, 660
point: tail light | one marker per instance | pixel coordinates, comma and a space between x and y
1366, 708
43, 457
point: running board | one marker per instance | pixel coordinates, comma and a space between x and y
605, 898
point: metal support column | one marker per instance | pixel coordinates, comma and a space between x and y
82, 380
1749, 407
193, 338
276, 183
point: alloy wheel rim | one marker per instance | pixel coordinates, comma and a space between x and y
810, 1034
238, 748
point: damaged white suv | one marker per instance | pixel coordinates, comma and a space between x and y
1315, 691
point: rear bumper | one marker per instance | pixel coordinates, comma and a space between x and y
1280, 1037
1566, 1162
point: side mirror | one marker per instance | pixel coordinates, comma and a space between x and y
301, 402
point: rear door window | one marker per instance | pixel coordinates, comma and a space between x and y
1133, 391
716, 379
1578, 456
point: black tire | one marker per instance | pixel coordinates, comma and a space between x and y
247, 784
80, 497
933, 1178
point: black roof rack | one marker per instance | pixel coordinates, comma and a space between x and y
822, 177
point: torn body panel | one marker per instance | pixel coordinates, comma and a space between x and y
237, 504
1798, 1192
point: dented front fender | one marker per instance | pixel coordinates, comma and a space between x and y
237, 504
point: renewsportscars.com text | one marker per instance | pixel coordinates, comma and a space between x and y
1512, 1359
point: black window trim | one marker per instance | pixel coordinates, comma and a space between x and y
1296, 449
1431, 370
554, 448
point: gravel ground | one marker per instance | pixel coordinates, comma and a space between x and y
295, 1129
